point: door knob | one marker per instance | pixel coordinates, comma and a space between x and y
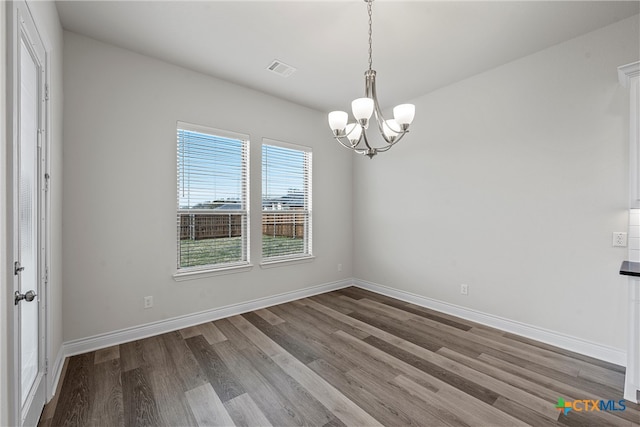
29, 296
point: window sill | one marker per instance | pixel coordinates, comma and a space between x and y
201, 274
286, 261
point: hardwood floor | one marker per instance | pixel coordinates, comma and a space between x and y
348, 357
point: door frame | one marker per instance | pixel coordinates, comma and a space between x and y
20, 21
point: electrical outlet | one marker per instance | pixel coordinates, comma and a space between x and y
339, 267
148, 302
464, 289
619, 239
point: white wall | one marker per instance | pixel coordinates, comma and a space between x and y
511, 181
119, 216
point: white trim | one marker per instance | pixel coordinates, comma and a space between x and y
281, 262
289, 145
96, 342
46, 145
307, 210
21, 26
627, 72
632, 374
5, 337
578, 345
55, 372
193, 274
629, 77
192, 127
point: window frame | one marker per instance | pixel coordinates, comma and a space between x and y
194, 272
307, 256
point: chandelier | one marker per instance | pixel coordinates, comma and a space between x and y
354, 135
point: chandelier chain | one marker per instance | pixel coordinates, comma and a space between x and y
369, 3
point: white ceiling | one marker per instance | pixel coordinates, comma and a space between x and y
418, 46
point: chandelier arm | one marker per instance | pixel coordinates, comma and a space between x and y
400, 137
379, 121
383, 149
356, 150
350, 132
349, 146
364, 137
370, 150
370, 91
391, 144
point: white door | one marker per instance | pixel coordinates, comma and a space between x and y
29, 221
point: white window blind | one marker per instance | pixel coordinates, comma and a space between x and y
286, 201
213, 194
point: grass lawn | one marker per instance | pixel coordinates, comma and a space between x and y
229, 249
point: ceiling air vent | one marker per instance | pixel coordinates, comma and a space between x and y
280, 68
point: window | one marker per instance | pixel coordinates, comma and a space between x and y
286, 201
213, 194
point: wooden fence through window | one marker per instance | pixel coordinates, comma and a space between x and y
208, 226
284, 224
203, 226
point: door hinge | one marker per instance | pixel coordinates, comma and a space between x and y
46, 275
46, 181
17, 268
46, 366
46, 92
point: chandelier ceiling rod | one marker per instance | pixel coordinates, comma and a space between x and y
354, 135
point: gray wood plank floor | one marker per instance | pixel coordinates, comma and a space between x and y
349, 357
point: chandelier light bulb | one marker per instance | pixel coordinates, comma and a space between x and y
338, 120
362, 108
354, 132
391, 129
404, 113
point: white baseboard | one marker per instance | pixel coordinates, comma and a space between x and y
109, 339
55, 371
578, 345
557, 339
122, 336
